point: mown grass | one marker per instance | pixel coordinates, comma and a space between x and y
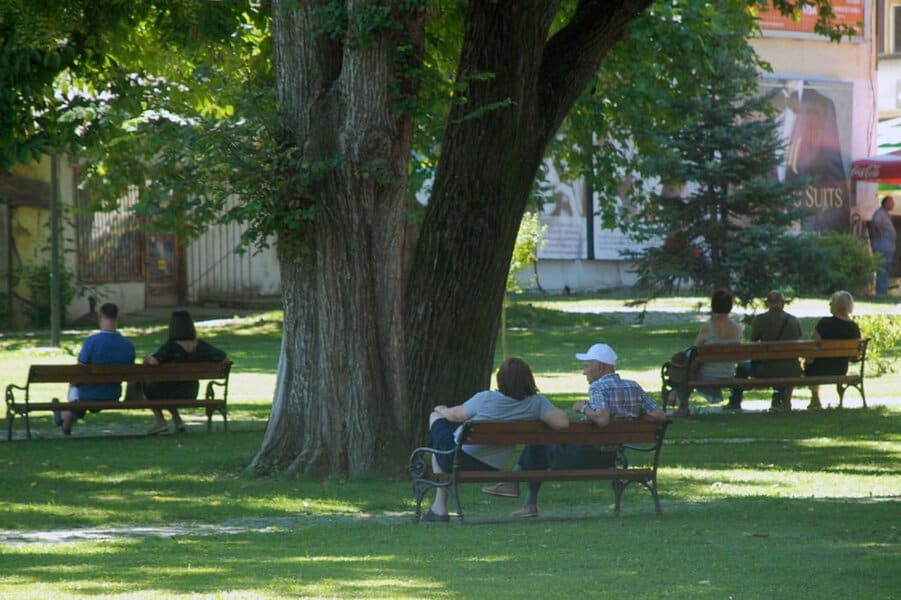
755, 505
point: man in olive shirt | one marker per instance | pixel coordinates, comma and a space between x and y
772, 326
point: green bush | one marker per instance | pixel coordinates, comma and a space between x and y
37, 279
771, 259
851, 264
884, 332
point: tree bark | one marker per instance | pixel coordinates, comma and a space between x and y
339, 398
346, 353
486, 170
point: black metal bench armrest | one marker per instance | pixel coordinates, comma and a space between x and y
420, 460
211, 388
11, 395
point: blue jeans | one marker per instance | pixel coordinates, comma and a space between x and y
441, 437
562, 456
883, 272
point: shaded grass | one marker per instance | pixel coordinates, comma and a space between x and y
524, 314
755, 505
749, 548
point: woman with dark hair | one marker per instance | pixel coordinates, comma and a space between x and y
182, 346
517, 399
720, 329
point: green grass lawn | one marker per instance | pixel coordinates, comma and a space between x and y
755, 505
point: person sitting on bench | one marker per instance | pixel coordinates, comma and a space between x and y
609, 397
182, 346
107, 347
772, 326
517, 399
720, 329
837, 327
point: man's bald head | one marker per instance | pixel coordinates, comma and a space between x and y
775, 299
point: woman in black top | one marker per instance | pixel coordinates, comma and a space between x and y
182, 346
837, 327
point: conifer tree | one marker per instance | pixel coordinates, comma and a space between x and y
722, 217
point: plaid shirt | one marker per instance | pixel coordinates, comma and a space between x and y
621, 398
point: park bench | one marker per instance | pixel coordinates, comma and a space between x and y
620, 435
215, 372
855, 350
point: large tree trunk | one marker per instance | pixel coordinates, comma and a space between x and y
340, 392
339, 397
487, 167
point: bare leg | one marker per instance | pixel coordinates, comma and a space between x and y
439, 504
814, 398
787, 399
158, 419
68, 420
176, 418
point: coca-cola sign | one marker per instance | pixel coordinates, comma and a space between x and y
865, 172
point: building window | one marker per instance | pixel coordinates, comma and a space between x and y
896, 29
110, 244
888, 20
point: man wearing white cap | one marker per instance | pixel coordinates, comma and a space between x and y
609, 397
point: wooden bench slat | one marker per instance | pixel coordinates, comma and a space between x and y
555, 475
109, 405
81, 374
763, 382
511, 433
511, 439
778, 350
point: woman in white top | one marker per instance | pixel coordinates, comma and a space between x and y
720, 329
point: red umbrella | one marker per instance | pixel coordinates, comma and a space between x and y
883, 168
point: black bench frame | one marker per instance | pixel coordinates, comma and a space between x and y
216, 373
620, 436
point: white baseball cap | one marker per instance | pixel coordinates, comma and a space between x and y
601, 353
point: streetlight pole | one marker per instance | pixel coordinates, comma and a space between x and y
55, 300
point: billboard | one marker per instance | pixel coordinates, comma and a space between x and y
564, 216
816, 119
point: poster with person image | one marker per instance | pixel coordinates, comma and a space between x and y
563, 216
815, 119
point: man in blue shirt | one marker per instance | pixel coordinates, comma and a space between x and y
107, 347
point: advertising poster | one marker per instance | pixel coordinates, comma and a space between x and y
815, 119
563, 214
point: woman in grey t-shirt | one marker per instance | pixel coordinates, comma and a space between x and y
517, 399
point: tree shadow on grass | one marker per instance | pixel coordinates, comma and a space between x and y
752, 547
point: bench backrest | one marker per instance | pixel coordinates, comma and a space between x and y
80, 374
510, 433
853, 349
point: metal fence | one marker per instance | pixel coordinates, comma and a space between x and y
110, 245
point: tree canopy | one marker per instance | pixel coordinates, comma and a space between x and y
309, 112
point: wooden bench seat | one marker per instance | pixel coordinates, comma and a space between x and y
215, 373
854, 350
635, 436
